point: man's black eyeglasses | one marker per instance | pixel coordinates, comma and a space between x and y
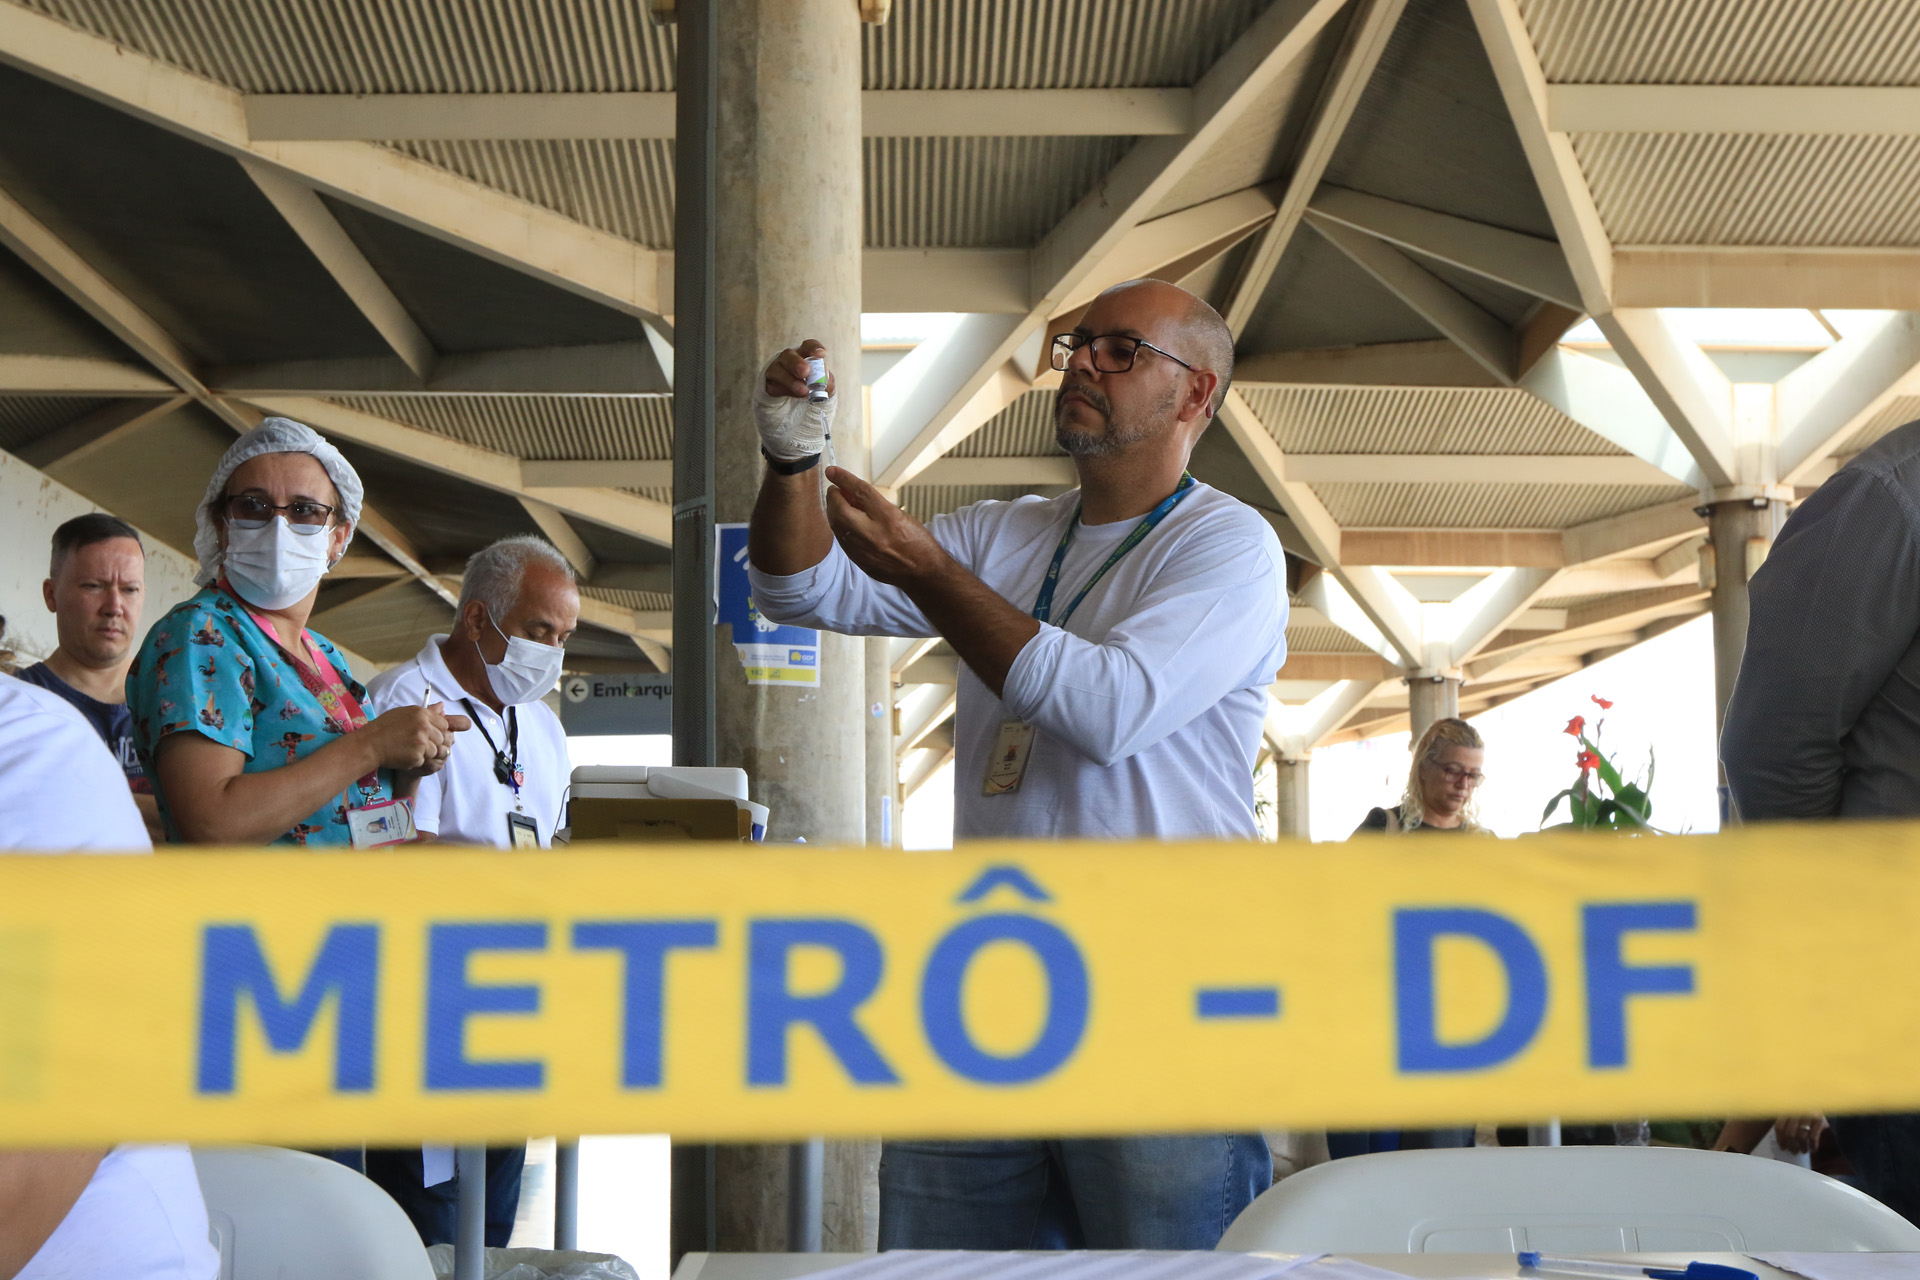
1112, 352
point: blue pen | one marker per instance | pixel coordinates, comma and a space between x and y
1590, 1267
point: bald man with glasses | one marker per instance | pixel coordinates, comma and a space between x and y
1118, 643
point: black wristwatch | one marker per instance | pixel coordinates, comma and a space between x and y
794, 468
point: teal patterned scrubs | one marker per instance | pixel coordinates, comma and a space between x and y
207, 667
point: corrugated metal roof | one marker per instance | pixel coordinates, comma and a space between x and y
925, 501
24, 419
642, 600
1754, 189
1051, 44
1419, 420
621, 186
546, 428
1024, 429
978, 192
1484, 506
1263, 144
1322, 640
1852, 42
393, 46
1899, 412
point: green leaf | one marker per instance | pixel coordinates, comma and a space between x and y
1552, 805
1608, 774
1635, 800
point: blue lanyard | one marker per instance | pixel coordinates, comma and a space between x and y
1043, 603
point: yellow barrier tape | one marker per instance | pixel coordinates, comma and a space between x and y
1001, 989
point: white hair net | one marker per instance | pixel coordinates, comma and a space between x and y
273, 435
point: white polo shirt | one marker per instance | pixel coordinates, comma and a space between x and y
465, 802
141, 1216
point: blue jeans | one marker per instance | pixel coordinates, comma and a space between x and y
1077, 1193
435, 1210
1884, 1151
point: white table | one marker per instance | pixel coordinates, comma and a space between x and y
1424, 1266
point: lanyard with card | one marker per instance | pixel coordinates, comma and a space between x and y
1013, 747
522, 831
370, 823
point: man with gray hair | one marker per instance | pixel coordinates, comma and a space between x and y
503, 785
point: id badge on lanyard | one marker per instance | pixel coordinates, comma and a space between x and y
1013, 745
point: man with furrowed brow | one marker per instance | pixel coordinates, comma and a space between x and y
1118, 642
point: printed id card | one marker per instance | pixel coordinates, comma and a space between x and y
1008, 763
376, 825
521, 832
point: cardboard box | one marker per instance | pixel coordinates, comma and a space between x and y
596, 818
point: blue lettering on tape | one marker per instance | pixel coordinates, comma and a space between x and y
1415, 930
1237, 1002
944, 984
773, 1008
1611, 980
452, 999
645, 944
347, 968
1010, 876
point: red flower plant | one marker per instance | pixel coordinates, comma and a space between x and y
1602, 703
1576, 726
1588, 761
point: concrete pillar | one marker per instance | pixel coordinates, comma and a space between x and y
1290, 797
883, 773
787, 243
1740, 532
1431, 696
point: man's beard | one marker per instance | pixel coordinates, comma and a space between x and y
1121, 432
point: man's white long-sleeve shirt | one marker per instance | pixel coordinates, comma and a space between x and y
1148, 704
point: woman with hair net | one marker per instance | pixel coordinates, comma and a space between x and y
252, 727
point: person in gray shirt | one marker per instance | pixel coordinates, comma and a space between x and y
1824, 721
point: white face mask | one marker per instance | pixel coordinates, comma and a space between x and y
527, 671
277, 564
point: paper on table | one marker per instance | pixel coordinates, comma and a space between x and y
1845, 1266
1131, 1264
1328, 1267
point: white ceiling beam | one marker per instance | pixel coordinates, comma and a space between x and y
1095, 228
1684, 384
37, 375
1589, 623
922, 711
1523, 262
1001, 471
554, 528
924, 766
1642, 531
650, 631
1831, 278
1433, 362
884, 113
628, 513
1610, 402
384, 534
517, 233
1360, 49
1576, 219
1481, 335
1494, 605
624, 473
1453, 548
1831, 110
601, 368
1829, 399
341, 258
1216, 225
67, 446
956, 375
961, 280
1270, 463
905, 651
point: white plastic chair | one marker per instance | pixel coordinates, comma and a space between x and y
287, 1215
1565, 1200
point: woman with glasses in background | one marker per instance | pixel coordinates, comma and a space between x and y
1440, 786
251, 726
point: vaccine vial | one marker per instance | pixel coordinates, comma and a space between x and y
816, 380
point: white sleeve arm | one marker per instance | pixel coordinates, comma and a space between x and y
426, 803
1213, 624
836, 595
